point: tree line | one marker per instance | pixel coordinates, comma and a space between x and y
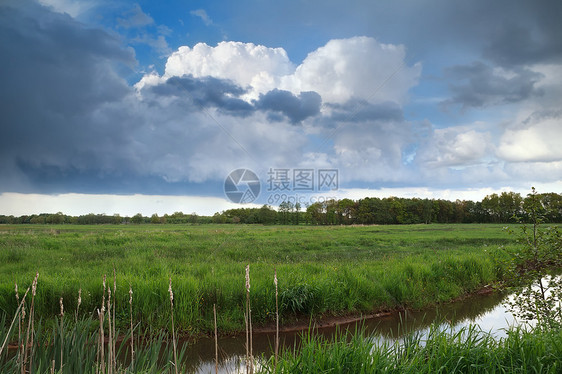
507, 207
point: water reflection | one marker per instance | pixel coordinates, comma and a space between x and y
487, 311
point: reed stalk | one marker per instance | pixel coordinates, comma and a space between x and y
19, 325
101, 315
132, 337
101, 358
13, 321
61, 333
173, 331
276, 318
114, 331
22, 347
79, 302
30, 327
250, 358
216, 340
110, 334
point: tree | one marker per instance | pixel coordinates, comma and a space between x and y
194, 218
541, 249
137, 218
297, 210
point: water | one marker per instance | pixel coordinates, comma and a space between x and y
487, 311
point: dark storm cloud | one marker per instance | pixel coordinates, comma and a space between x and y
356, 110
206, 92
533, 37
479, 85
55, 74
295, 108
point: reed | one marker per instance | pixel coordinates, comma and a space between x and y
110, 334
132, 330
216, 340
248, 314
114, 332
276, 318
173, 328
61, 333
30, 325
101, 316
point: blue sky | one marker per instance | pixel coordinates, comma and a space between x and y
124, 107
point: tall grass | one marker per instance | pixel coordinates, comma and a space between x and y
469, 350
79, 345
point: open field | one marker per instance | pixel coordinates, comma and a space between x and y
322, 270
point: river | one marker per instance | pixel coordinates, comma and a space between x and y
485, 310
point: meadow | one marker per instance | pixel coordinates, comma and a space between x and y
322, 270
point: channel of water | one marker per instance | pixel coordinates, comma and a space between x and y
485, 310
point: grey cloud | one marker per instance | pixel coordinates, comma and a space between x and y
532, 37
295, 108
135, 17
479, 85
360, 110
206, 92
56, 74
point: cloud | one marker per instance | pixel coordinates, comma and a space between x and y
358, 67
205, 92
343, 69
201, 13
536, 139
135, 18
356, 110
75, 8
530, 38
246, 64
454, 147
482, 85
296, 108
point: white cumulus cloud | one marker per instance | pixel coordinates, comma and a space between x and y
358, 67
343, 69
541, 141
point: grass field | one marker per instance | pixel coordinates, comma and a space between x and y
322, 270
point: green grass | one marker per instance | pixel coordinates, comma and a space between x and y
469, 350
321, 270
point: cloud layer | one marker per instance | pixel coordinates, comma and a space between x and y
73, 119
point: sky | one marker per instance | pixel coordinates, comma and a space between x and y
113, 106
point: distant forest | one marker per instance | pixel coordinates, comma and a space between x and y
507, 207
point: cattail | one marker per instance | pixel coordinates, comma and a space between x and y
276, 318
31, 323
101, 316
216, 340
173, 331
100, 347
61, 331
250, 362
110, 348
132, 338
114, 331
79, 302
19, 322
